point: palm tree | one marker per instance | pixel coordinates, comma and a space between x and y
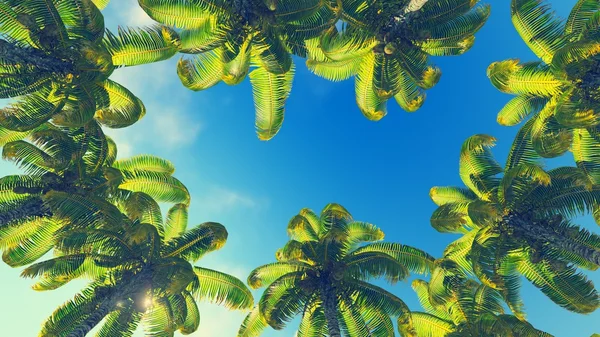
140, 269
322, 273
457, 306
56, 60
386, 44
560, 91
64, 168
232, 36
518, 224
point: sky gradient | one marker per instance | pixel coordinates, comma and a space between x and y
325, 152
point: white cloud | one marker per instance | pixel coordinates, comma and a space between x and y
218, 200
173, 129
130, 12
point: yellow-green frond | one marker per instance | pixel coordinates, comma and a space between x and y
270, 92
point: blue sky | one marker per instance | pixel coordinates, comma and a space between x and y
325, 152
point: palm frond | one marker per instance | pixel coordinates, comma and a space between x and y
477, 164
222, 289
447, 195
120, 323
533, 78
415, 260
580, 14
192, 319
422, 289
176, 222
367, 265
29, 112
196, 242
372, 107
201, 73
538, 27
161, 187
140, 46
124, 107
447, 48
270, 92
177, 13
31, 248
334, 70
427, 325
145, 162
463, 26
519, 108
253, 324
283, 299
565, 287
207, 36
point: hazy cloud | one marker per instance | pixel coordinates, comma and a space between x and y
218, 200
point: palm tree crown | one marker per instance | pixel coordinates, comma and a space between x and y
560, 91
141, 271
386, 44
56, 60
457, 306
66, 169
518, 224
322, 273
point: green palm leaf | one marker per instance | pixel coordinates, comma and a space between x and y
530, 78
415, 260
203, 72
161, 187
334, 70
565, 287
538, 27
269, 273
448, 195
367, 265
422, 289
580, 14
222, 289
270, 92
121, 323
271, 53
193, 244
140, 46
515, 111
462, 26
253, 325
283, 299
34, 246
203, 38
447, 48
427, 325
124, 107
145, 162
176, 222
10, 26
29, 112
235, 71
313, 323
177, 13
192, 319
372, 107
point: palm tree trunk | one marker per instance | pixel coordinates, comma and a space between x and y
89, 323
10, 53
399, 23
550, 232
33, 207
330, 306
